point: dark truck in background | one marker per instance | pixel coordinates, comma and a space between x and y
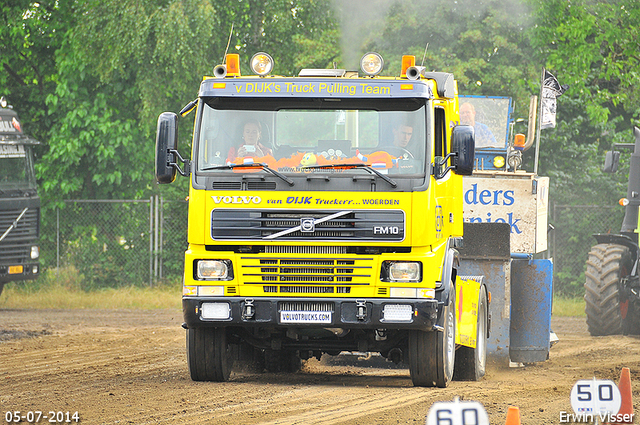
19, 201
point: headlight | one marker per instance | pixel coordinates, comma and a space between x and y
261, 63
401, 271
404, 272
371, 64
498, 161
214, 269
35, 252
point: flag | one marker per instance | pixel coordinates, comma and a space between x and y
551, 89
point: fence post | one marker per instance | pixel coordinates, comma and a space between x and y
58, 245
161, 241
554, 231
155, 241
151, 241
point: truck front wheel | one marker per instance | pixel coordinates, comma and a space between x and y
432, 353
209, 354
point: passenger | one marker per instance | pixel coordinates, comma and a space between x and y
251, 146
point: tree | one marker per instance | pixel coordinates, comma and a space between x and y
595, 46
484, 43
125, 61
30, 34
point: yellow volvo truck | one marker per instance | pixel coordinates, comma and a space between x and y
325, 212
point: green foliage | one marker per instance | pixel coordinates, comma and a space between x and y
89, 78
596, 45
484, 43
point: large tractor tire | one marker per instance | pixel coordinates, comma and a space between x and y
209, 355
471, 363
432, 353
606, 265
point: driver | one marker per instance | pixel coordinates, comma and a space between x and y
402, 135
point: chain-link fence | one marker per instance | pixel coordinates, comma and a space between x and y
115, 243
119, 243
572, 238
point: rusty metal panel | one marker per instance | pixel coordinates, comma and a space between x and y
488, 241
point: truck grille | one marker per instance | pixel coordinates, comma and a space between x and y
16, 246
294, 272
286, 225
305, 306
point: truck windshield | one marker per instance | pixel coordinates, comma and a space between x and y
16, 168
300, 136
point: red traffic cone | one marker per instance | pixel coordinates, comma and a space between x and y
513, 416
626, 407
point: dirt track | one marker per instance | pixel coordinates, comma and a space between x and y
129, 367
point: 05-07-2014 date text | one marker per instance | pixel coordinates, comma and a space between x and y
37, 416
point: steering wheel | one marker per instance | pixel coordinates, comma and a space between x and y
403, 150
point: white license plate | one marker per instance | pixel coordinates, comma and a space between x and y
305, 317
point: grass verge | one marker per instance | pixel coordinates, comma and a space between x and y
64, 291
568, 307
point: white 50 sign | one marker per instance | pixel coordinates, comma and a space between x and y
595, 397
457, 413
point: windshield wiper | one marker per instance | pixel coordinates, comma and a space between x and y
253, 165
363, 166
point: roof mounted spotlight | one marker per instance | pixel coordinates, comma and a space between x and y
371, 64
262, 64
3, 102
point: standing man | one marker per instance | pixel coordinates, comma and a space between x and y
484, 137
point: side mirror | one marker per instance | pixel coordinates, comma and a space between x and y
611, 161
166, 142
463, 146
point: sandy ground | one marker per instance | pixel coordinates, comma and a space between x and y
129, 367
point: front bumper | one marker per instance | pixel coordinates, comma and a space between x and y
15, 272
345, 313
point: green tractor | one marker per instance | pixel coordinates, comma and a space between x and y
612, 287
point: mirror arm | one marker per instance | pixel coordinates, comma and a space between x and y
444, 161
185, 162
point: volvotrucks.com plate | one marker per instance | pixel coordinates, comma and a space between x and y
305, 317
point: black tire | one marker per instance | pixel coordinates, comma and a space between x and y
606, 265
432, 353
209, 354
471, 363
282, 361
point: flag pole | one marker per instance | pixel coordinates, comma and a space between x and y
535, 163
